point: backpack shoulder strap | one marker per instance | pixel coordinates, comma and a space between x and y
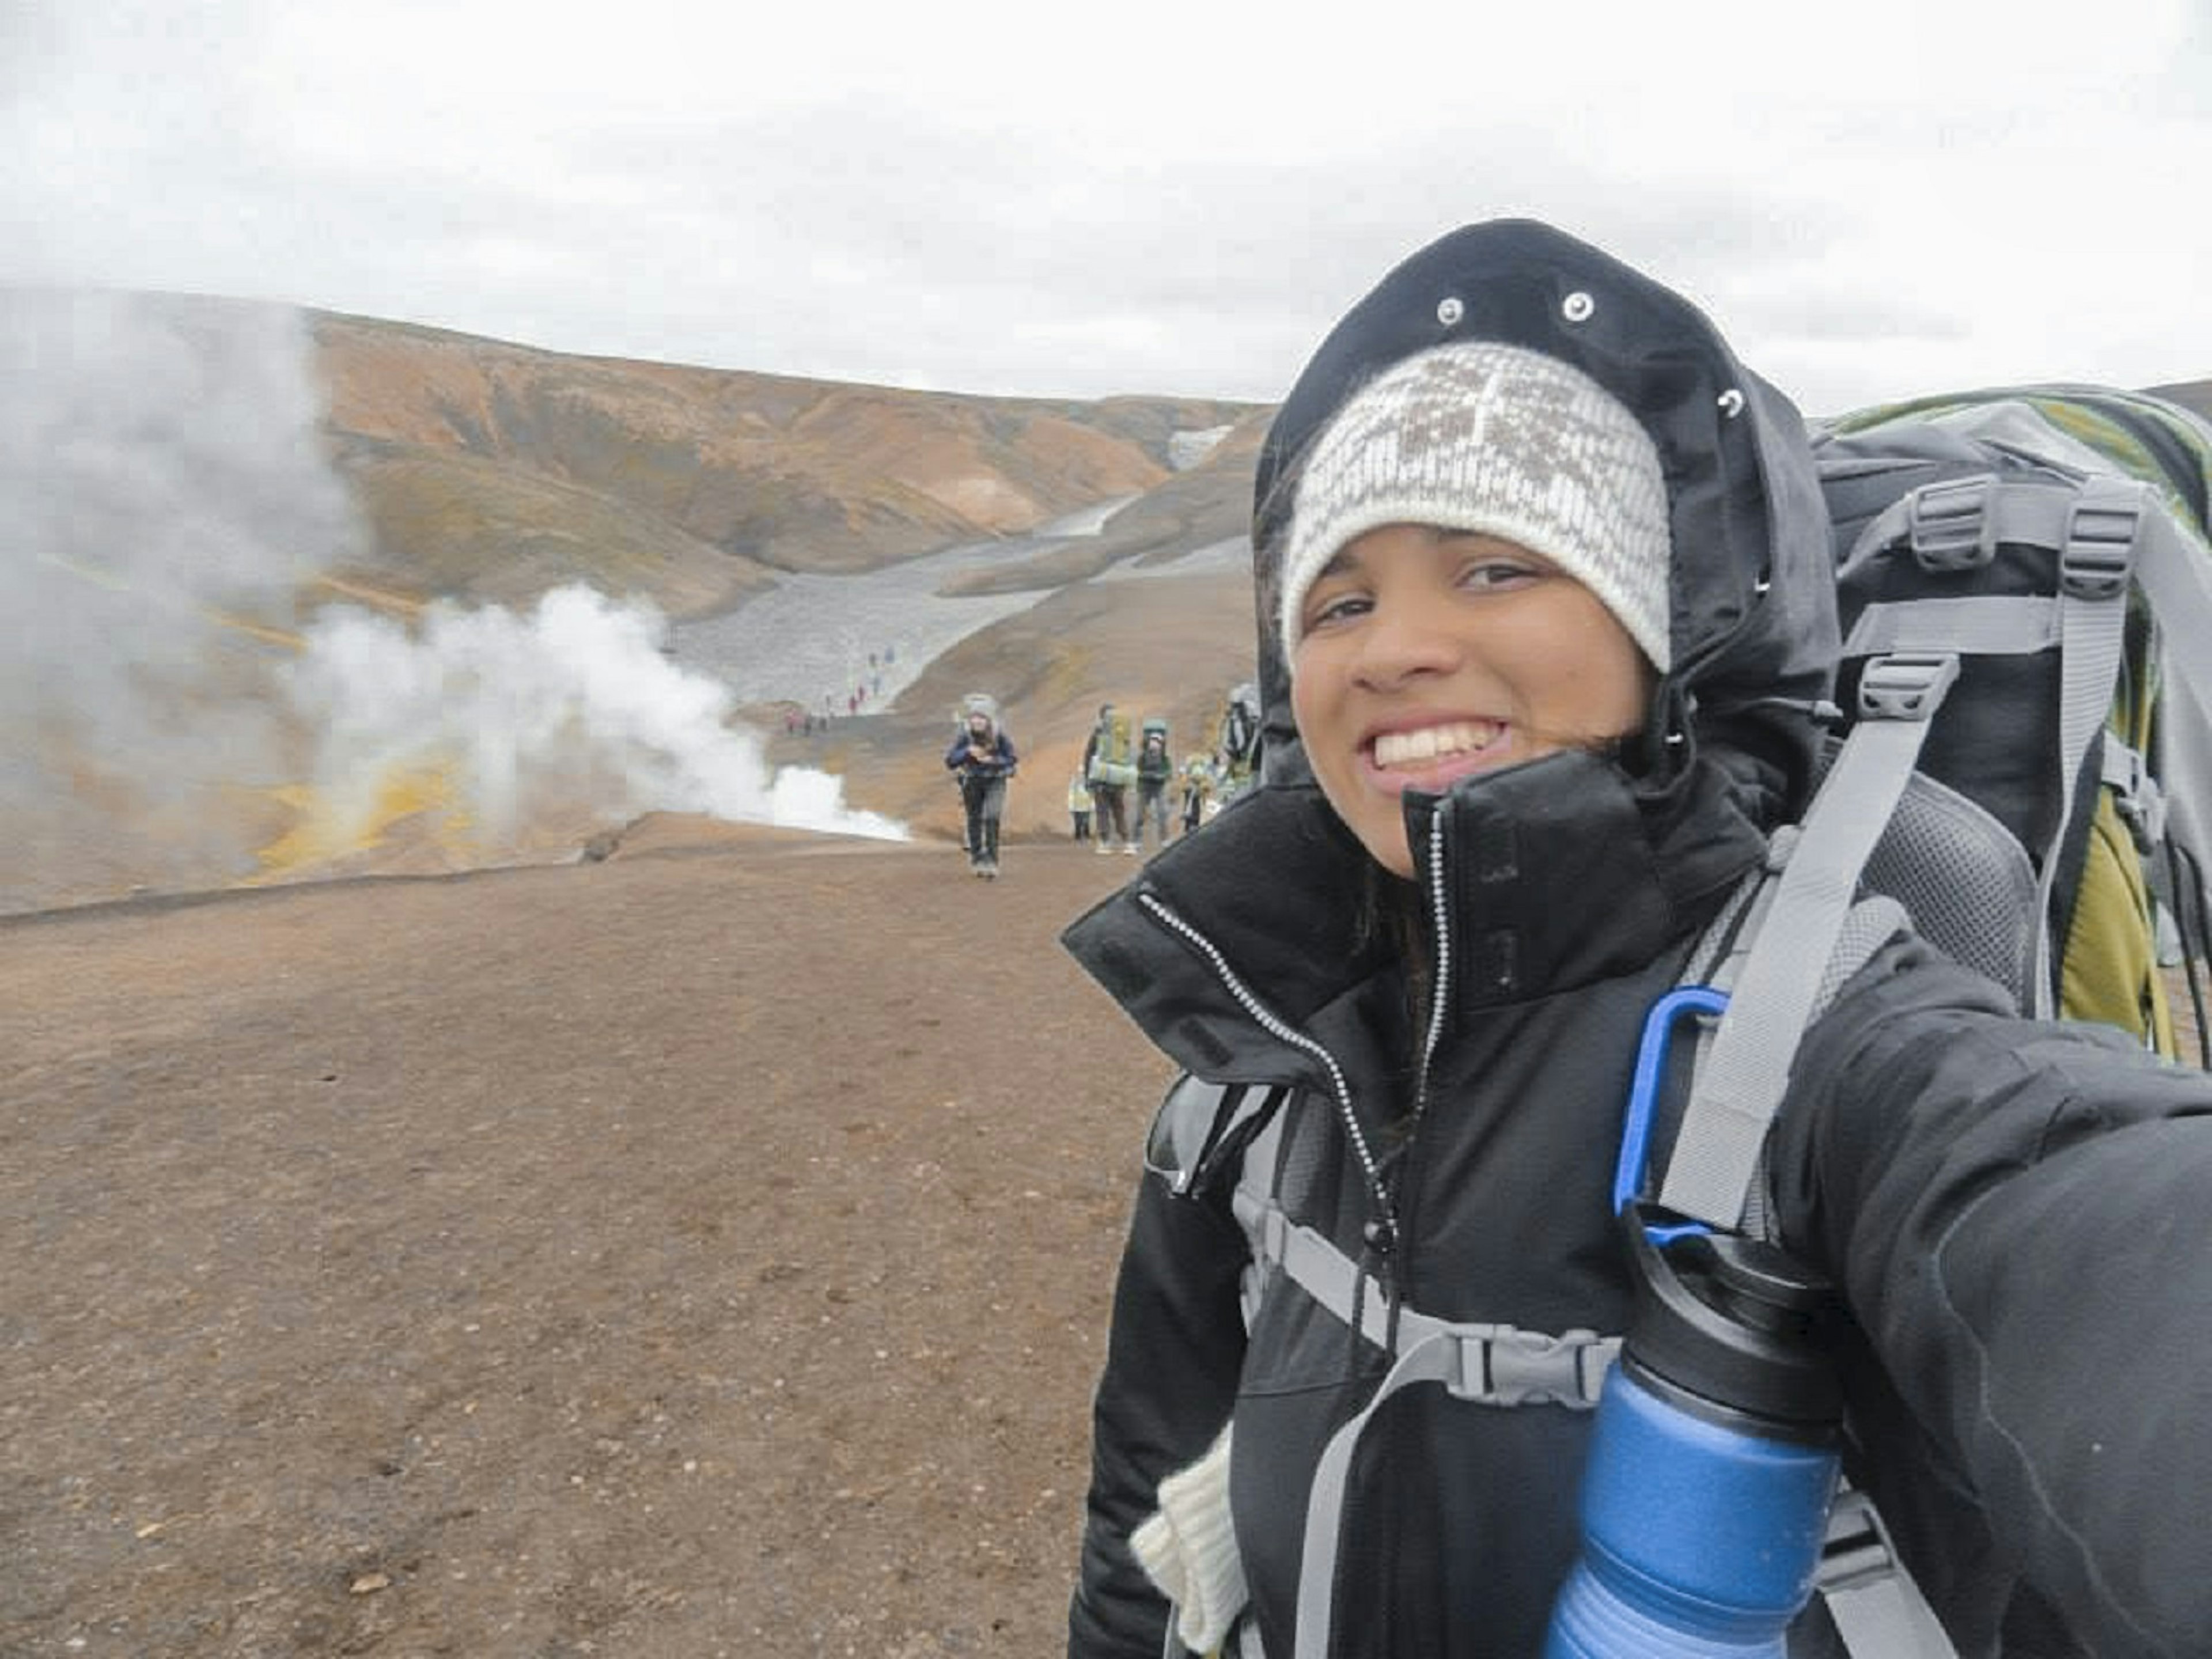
1876, 1608
1790, 947
1200, 1125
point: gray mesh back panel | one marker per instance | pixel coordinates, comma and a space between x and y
1965, 881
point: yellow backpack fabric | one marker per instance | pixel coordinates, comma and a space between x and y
2108, 969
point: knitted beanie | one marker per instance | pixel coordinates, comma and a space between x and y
1478, 435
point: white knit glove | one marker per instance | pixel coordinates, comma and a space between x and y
1189, 1550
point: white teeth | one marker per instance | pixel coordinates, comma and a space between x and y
1409, 748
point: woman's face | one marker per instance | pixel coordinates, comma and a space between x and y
1430, 654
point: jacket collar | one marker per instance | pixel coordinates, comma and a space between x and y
1259, 930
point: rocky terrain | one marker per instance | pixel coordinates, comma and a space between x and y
702, 1251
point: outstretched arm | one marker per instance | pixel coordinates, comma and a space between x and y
2019, 1215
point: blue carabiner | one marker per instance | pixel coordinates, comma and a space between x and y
1690, 1001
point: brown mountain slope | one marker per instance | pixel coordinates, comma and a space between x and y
700, 476
158, 746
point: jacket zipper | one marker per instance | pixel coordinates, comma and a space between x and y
1440, 989
1406, 1193
1283, 1031
1391, 1243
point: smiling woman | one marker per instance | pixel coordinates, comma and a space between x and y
1476, 575
1431, 655
1546, 587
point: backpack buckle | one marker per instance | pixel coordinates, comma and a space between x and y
1950, 527
1905, 686
2135, 795
1855, 1550
1504, 1365
2100, 553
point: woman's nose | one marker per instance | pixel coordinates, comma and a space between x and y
1405, 636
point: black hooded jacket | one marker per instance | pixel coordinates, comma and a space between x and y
2013, 1211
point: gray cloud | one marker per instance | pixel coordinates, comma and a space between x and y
961, 208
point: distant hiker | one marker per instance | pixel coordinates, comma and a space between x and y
1110, 765
1079, 805
1239, 741
1197, 790
1155, 772
982, 757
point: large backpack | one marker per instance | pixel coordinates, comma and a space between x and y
2025, 585
1956, 522
1113, 758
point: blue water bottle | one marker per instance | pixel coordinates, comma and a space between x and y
1713, 1460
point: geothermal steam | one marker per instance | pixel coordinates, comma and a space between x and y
162, 499
572, 708
166, 513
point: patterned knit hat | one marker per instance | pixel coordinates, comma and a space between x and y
1478, 435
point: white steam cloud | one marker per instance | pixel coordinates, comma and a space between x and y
168, 516
162, 499
572, 708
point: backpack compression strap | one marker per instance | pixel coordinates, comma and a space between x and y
2172, 572
1877, 1608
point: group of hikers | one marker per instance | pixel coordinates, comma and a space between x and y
1118, 789
1125, 781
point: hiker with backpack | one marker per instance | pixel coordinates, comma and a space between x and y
982, 759
1078, 806
1155, 771
1111, 767
1476, 1175
1198, 775
1238, 749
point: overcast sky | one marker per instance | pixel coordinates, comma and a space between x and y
1873, 199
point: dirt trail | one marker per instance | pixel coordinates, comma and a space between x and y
703, 1252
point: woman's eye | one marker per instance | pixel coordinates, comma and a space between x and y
1344, 606
1492, 574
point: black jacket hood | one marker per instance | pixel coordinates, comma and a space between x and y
1754, 623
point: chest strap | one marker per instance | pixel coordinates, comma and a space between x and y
1484, 1364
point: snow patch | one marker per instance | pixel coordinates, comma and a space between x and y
1187, 449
